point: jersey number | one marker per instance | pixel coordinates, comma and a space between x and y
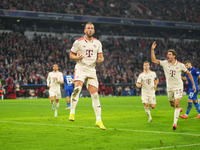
69, 82
191, 94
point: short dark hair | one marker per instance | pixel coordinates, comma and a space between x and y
187, 61
146, 62
88, 23
173, 52
69, 72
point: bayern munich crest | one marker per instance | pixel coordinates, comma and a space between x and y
94, 46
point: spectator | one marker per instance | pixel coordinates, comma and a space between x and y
17, 89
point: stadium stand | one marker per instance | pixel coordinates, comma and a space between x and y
29, 47
179, 10
28, 61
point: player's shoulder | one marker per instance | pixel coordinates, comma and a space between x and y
95, 39
142, 73
152, 72
162, 62
60, 73
195, 69
178, 62
80, 39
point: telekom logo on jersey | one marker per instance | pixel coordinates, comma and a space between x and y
172, 73
148, 81
89, 52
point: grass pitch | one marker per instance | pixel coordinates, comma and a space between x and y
30, 124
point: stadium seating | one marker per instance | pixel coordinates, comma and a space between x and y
184, 11
28, 61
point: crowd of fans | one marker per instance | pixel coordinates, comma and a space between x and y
27, 61
171, 10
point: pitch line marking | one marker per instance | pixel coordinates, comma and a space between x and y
129, 130
175, 146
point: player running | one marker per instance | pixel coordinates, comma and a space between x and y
54, 79
172, 69
87, 51
148, 81
192, 97
68, 86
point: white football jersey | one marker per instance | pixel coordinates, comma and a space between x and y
51, 80
89, 50
173, 74
147, 81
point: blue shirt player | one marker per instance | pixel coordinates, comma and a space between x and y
192, 97
68, 86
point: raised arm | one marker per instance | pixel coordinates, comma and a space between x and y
153, 57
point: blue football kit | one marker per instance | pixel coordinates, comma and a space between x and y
195, 73
68, 85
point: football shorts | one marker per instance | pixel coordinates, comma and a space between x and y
175, 94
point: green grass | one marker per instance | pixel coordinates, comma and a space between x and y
30, 124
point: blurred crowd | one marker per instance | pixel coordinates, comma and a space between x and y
171, 10
26, 61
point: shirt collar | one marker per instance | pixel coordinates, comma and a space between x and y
176, 62
87, 41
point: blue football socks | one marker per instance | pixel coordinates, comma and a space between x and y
188, 108
197, 107
68, 104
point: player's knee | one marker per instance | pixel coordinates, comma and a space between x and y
176, 105
77, 89
153, 107
146, 106
95, 96
172, 104
52, 99
195, 101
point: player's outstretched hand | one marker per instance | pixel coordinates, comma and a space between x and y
153, 46
155, 87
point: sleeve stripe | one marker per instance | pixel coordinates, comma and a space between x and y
72, 52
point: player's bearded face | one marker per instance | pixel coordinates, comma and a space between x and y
188, 66
146, 66
89, 30
55, 67
170, 56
